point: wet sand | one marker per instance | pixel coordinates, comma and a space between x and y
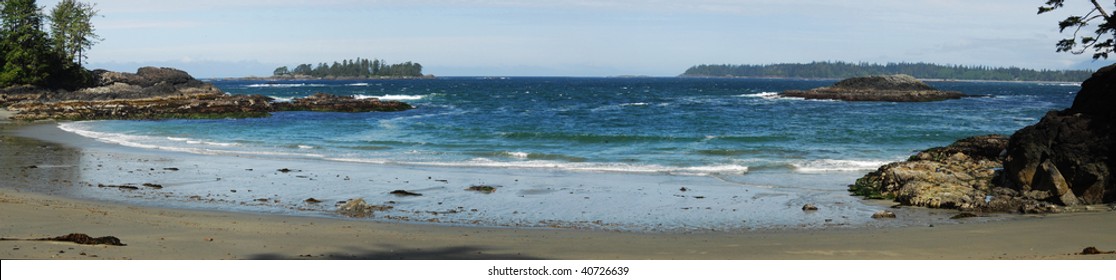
27, 211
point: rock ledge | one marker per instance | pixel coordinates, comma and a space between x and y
892, 88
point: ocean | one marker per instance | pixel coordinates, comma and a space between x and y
728, 131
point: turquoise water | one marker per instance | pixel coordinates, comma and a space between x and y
678, 126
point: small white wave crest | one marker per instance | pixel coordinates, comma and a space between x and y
281, 99
277, 85
390, 97
830, 165
728, 169
769, 95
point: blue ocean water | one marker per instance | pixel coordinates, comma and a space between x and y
676, 126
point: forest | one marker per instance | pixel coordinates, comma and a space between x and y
841, 70
354, 68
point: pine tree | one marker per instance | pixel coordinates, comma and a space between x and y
27, 56
72, 30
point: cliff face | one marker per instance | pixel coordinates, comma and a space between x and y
1070, 154
166, 93
892, 88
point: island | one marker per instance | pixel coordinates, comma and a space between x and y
892, 88
350, 69
165, 93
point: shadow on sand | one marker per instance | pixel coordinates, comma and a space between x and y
389, 252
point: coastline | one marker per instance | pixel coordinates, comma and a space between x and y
168, 233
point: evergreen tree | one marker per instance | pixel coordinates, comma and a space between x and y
27, 56
281, 71
355, 68
72, 30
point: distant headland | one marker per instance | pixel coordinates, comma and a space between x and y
843, 70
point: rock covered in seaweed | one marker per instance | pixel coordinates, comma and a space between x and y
357, 208
893, 88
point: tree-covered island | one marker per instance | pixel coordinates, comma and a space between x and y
843, 70
354, 68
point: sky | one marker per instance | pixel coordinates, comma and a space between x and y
236, 38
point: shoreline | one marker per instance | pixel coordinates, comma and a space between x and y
524, 198
172, 233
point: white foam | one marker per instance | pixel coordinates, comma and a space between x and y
284, 85
305, 147
519, 155
768, 95
156, 143
830, 165
569, 166
357, 84
1061, 84
281, 99
634, 104
390, 97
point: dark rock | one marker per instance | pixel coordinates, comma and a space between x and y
405, 193
333, 103
892, 88
312, 200
81, 238
1094, 250
883, 214
963, 215
165, 93
809, 207
171, 169
153, 186
482, 188
123, 187
284, 170
1070, 152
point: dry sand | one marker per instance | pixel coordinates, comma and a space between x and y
161, 233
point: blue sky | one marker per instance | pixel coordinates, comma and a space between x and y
229, 38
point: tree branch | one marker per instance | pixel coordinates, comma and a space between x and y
1101, 10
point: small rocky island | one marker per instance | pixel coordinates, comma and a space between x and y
165, 93
891, 88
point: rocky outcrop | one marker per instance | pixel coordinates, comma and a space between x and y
166, 93
163, 107
1064, 160
892, 88
1070, 155
333, 103
958, 176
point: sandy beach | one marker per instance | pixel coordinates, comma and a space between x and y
31, 208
